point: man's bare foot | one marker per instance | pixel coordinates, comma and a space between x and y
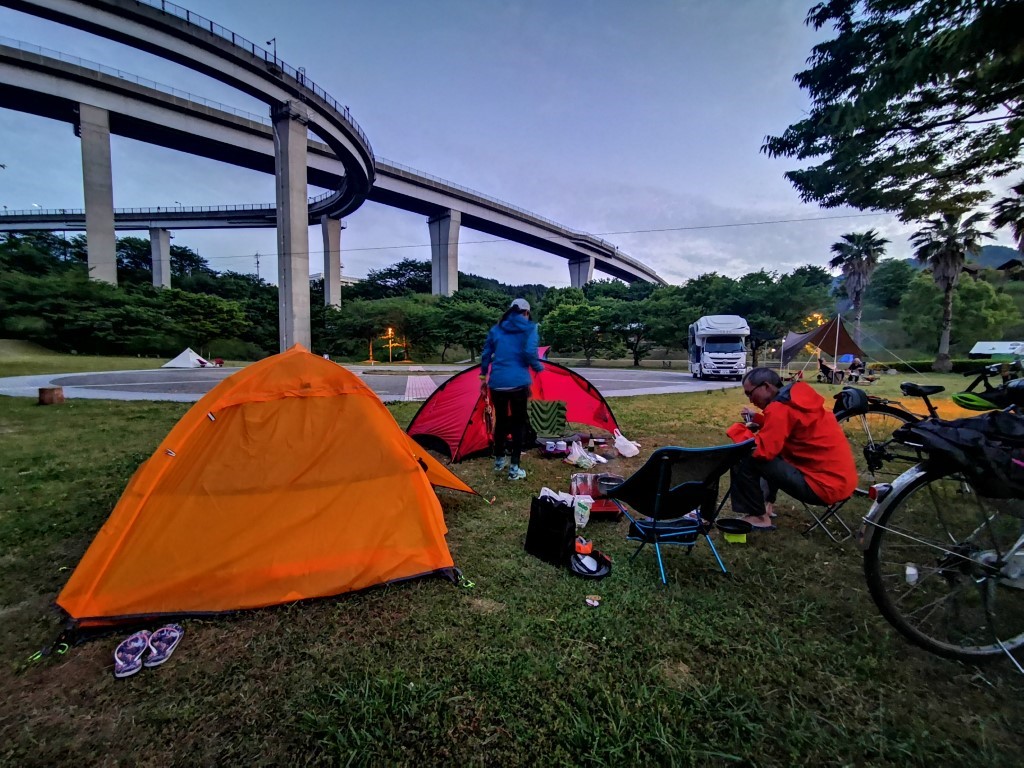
762, 522
769, 509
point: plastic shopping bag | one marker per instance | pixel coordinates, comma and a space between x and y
625, 447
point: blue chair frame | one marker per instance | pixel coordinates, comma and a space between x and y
672, 483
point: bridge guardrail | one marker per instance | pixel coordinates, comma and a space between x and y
271, 58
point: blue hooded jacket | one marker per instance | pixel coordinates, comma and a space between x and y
509, 352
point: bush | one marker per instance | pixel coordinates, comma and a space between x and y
925, 366
234, 349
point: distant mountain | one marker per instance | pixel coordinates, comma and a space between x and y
991, 256
997, 255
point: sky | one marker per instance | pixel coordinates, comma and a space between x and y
638, 122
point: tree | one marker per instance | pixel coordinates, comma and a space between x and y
575, 326
556, 297
187, 263
405, 277
1009, 212
915, 104
465, 323
630, 321
889, 282
981, 311
200, 317
857, 255
944, 244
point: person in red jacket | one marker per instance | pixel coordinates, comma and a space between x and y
799, 448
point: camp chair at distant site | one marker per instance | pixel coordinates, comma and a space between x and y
672, 484
829, 374
797, 375
547, 420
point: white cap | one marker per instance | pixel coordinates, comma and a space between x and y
521, 304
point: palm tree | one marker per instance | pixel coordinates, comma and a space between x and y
944, 244
1009, 212
857, 256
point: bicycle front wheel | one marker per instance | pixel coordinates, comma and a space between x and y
945, 567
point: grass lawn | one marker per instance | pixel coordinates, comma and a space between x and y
785, 662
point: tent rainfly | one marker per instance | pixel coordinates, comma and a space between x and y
454, 418
831, 338
187, 359
289, 480
997, 350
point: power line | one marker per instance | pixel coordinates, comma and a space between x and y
565, 237
595, 234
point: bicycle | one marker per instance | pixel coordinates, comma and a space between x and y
944, 542
869, 421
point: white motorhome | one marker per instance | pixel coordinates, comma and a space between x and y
717, 347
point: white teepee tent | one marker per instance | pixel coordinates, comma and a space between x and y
188, 359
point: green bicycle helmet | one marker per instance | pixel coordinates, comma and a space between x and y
973, 402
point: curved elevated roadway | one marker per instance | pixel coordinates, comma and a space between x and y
182, 36
53, 87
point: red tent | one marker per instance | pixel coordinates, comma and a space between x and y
454, 419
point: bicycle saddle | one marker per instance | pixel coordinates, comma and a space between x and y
910, 389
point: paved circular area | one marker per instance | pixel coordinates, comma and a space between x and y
389, 382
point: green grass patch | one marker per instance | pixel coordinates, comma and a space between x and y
784, 662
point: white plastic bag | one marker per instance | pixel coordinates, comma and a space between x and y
579, 457
625, 447
581, 509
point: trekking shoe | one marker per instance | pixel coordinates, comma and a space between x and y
500, 463
515, 473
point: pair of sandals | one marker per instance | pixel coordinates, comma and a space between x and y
128, 657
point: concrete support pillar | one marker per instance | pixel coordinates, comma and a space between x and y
94, 130
331, 229
444, 253
160, 248
290, 121
581, 271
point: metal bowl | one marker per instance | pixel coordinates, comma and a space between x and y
733, 525
606, 482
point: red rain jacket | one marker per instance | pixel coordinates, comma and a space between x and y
795, 427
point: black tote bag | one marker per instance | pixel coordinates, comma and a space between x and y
551, 534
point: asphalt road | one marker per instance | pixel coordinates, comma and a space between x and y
389, 382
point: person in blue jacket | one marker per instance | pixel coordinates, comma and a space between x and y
508, 355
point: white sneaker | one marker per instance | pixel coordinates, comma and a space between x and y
500, 463
515, 473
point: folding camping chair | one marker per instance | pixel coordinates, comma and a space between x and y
547, 420
674, 482
829, 516
829, 374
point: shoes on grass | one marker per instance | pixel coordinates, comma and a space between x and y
128, 655
500, 463
162, 644
146, 649
515, 473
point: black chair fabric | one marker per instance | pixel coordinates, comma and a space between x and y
672, 483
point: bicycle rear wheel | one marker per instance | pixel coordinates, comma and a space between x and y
941, 568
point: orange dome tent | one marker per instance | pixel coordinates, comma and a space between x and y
289, 480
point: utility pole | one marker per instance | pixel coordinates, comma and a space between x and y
257, 266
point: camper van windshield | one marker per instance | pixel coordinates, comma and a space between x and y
723, 344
